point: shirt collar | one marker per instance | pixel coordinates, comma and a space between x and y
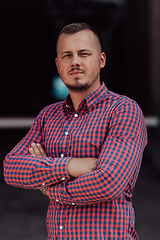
97, 96
91, 100
68, 103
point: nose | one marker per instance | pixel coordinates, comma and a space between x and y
75, 61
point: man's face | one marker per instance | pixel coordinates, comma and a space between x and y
79, 60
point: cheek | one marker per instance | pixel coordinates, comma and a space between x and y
94, 68
94, 63
63, 67
61, 70
63, 74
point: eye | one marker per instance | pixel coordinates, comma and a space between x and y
66, 55
84, 54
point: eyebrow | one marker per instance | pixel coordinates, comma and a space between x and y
84, 50
65, 52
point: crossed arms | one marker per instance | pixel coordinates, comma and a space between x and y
82, 180
76, 166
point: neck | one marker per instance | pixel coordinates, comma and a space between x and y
78, 97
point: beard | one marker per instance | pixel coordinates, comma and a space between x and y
81, 87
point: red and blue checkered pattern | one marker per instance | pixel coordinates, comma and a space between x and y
97, 205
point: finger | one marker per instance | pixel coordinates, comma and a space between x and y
43, 153
36, 150
46, 192
31, 151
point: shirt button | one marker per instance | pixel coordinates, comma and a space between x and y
63, 178
62, 155
66, 133
76, 115
57, 200
73, 203
43, 184
61, 227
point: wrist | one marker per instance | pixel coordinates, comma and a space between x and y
69, 166
74, 167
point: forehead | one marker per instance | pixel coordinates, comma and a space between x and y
84, 39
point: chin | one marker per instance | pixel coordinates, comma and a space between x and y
79, 87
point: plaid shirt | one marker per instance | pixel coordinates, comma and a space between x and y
96, 205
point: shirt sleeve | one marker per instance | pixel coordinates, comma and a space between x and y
118, 163
26, 171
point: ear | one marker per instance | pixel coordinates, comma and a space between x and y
102, 60
56, 62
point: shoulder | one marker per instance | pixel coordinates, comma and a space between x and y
119, 101
125, 108
52, 107
50, 110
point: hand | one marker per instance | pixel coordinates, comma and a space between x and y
80, 166
37, 150
46, 192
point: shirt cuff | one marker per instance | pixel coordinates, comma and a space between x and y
56, 194
60, 169
51, 171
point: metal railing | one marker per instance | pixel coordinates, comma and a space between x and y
26, 122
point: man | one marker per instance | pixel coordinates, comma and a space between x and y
84, 153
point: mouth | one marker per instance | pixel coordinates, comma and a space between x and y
76, 72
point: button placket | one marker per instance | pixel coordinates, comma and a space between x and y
68, 127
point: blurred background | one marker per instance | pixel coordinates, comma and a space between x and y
130, 36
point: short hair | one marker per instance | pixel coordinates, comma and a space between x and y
77, 27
